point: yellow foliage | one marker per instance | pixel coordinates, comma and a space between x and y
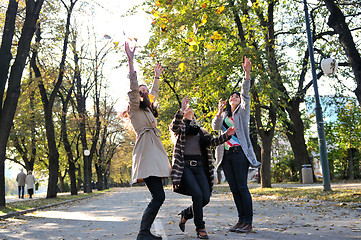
194, 48
155, 14
209, 47
163, 28
151, 98
220, 9
204, 19
157, 3
182, 67
192, 42
216, 36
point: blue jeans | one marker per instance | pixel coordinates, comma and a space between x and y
21, 191
235, 167
195, 182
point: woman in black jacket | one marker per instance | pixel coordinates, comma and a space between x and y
192, 168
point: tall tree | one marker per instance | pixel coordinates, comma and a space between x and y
65, 138
109, 142
97, 59
48, 103
8, 105
337, 21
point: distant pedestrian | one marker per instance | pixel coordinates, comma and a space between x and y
192, 170
237, 154
150, 160
30, 183
20, 178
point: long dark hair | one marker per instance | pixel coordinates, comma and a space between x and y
228, 108
145, 103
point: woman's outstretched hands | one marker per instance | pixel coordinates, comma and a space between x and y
129, 52
130, 55
221, 105
247, 67
158, 70
184, 103
231, 131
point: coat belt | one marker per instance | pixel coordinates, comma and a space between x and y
154, 129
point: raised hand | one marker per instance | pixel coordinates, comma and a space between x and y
129, 52
221, 105
184, 103
158, 70
247, 67
231, 131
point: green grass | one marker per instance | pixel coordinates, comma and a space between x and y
337, 195
39, 202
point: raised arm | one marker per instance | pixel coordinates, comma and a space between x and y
130, 55
247, 67
174, 126
246, 84
133, 94
217, 120
155, 87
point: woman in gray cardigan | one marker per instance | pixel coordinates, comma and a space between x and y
236, 155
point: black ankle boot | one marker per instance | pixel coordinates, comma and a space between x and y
147, 235
146, 223
155, 237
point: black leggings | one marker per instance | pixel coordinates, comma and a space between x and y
155, 187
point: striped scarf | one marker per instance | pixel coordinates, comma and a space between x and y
227, 123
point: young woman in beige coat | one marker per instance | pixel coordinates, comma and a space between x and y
150, 161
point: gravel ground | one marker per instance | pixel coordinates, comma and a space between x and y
117, 214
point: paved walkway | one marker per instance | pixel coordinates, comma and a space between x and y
117, 214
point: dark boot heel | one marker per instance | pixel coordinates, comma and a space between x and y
182, 225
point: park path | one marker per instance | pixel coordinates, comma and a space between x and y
116, 215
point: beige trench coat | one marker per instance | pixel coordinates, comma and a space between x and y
149, 155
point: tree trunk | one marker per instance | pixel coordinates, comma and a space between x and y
254, 137
81, 109
266, 160
53, 150
48, 104
266, 139
106, 184
8, 107
99, 171
61, 182
295, 135
66, 142
5, 49
352, 162
79, 179
53, 154
337, 22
